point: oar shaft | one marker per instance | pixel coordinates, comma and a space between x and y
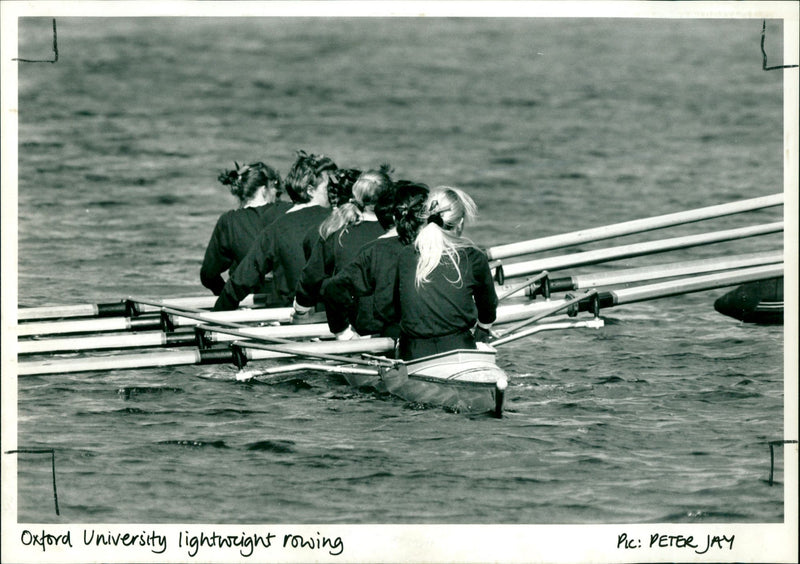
687, 268
592, 323
510, 313
119, 341
145, 323
376, 345
232, 318
143, 339
631, 227
695, 284
118, 309
194, 356
280, 370
514, 270
117, 362
76, 310
151, 322
93, 343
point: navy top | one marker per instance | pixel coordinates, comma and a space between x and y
233, 234
372, 274
441, 306
278, 249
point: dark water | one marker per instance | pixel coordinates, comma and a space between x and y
552, 125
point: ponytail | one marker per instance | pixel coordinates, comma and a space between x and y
345, 215
408, 213
366, 192
447, 209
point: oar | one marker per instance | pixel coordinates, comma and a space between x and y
120, 308
194, 356
561, 262
316, 354
594, 323
594, 300
605, 299
630, 227
241, 332
150, 322
655, 272
108, 341
691, 284
246, 375
506, 313
146, 339
680, 286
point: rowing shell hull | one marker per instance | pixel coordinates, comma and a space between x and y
466, 381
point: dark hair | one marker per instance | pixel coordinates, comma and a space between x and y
366, 192
340, 185
244, 181
408, 208
305, 174
384, 207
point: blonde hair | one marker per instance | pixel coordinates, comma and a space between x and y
366, 191
447, 210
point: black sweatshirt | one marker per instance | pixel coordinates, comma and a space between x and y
234, 233
328, 257
278, 249
363, 292
443, 306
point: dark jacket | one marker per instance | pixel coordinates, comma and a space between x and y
234, 233
363, 292
443, 306
278, 249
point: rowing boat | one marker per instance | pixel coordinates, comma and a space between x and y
464, 381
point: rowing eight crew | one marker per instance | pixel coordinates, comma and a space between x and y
388, 260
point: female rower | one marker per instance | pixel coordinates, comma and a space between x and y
258, 188
348, 228
445, 284
340, 191
374, 270
279, 247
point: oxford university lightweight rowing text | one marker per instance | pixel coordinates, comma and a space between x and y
246, 543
